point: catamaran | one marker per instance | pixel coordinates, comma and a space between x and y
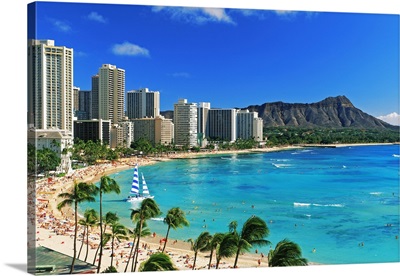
135, 195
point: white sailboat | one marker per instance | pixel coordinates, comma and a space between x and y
135, 195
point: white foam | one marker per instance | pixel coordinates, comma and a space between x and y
329, 205
281, 165
299, 204
375, 193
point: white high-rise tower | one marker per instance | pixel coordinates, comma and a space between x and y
185, 123
50, 86
111, 93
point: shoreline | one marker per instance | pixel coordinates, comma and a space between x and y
60, 224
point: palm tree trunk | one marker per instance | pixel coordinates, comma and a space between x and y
76, 233
83, 240
217, 265
130, 255
98, 247
133, 259
166, 238
194, 261
237, 257
137, 244
134, 256
112, 250
101, 232
87, 243
211, 254
97, 252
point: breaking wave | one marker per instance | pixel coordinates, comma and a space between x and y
299, 204
281, 165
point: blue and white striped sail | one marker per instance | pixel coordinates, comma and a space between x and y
144, 186
135, 182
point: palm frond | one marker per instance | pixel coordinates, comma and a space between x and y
286, 253
228, 246
158, 262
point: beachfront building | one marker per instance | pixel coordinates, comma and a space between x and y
202, 117
111, 93
185, 123
164, 131
95, 97
221, 125
56, 140
85, 105
142, 103
156, 130
249, 125
94, 130
122, 134
116, 136
50, 86
75, 104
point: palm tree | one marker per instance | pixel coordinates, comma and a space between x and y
108, 219
215, 241
148, 209
253, 232
227, 247
175, 218
119, 232
133, 234
286, 253
233, 226
107, 185
104, 241
90, 219
200, 244
81, 192
157, 262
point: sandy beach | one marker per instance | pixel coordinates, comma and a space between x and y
54, 229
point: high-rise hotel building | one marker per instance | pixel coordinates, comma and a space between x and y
142, 103
50, 85
249, 125
202, 119
95, 97
185, 123
221, 125
111, 93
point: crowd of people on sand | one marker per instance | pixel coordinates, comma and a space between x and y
55, 229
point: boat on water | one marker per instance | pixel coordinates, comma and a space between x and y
135, 195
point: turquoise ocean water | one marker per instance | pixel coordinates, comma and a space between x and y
344, 202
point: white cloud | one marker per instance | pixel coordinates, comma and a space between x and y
290, 15
96, 17
62, 26
129, 49
196, 15
218, 14
284, 14
260, 14
392, 118
180, 75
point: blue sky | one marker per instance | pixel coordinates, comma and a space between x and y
233, 57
